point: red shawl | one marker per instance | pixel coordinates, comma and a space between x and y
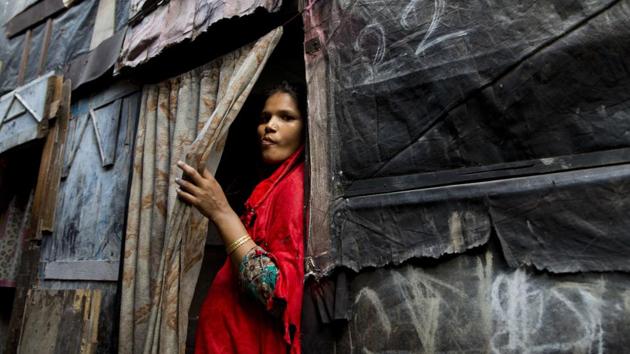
232, 322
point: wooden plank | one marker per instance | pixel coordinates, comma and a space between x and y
61, 321
318, 185
44, 53
26, 277
92, 199
76, 128
31, 102
47, 214
26, 49
82, 270
33, 15
105, 123
44, 181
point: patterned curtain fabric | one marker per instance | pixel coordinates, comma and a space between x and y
184, 118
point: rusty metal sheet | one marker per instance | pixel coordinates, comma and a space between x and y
176, 21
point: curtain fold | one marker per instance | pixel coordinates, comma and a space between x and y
183, 118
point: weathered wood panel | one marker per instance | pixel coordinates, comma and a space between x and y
64, 321
93, 192
318, 162
23, 112
51, 162
82, 270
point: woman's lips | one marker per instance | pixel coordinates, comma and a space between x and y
267, 142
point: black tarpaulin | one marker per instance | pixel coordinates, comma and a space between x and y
475, 303
453, 120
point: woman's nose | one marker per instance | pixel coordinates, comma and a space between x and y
272, 125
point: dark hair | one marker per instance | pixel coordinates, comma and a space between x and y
297, 92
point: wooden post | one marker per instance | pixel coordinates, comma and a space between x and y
44, 53
318, 185
24, 61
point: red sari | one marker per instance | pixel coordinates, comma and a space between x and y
230, 320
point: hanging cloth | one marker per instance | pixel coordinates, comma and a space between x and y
184, 118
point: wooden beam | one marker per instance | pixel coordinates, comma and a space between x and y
82, 270
33, 16
318, 183
44, 53
46, 188
24, 60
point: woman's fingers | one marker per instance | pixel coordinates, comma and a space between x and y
186, 197
187, 186
190, 171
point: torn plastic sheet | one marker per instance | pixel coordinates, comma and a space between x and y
562, 222
70, 36
176, 21
476, 303
95, 63
381, 235
427, 87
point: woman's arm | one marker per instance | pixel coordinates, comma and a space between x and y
204, 193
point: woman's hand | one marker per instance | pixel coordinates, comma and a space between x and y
204, 193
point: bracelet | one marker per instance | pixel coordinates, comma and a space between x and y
236, 244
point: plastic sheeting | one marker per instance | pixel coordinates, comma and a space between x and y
176, 21
453, 120
71, 35
476, 303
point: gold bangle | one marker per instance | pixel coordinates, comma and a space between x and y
236, 244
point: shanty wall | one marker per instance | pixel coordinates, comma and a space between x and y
474, 159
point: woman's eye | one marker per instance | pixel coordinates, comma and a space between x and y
287, 117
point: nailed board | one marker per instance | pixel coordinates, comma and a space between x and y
24, 112
91, 204
82, 270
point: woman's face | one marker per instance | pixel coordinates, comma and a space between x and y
280, 128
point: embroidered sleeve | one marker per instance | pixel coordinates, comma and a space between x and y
258, 274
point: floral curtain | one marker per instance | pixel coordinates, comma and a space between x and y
183, 118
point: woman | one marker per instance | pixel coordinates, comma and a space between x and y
254, 303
